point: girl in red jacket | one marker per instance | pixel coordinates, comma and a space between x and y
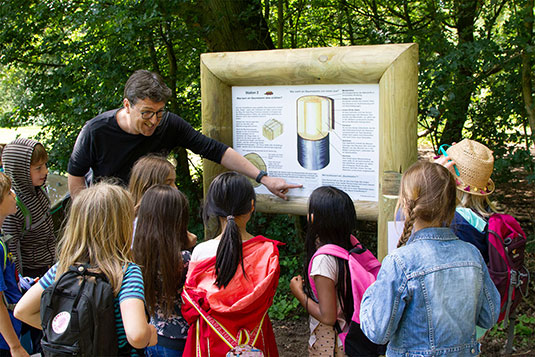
231, 279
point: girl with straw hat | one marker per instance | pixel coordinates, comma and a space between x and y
471, 163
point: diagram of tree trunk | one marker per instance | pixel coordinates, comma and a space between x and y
315, 119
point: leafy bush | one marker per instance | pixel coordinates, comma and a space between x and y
282, 228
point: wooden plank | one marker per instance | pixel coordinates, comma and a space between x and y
366, 210
330, 65
398, 93
216, 118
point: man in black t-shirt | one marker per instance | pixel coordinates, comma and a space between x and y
110, 143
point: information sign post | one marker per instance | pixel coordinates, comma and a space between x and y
341, 116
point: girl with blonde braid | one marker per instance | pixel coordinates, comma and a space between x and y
434, 289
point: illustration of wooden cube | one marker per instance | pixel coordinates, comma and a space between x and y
272, 129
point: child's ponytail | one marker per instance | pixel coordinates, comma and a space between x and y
229, 196
229, 253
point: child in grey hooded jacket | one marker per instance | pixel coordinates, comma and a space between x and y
31, 229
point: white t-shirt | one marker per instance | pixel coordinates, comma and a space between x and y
327, 266
204, 250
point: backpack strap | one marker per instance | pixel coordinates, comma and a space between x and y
3, 244
5, 254
79, 270
27, 222
328, 249
222, 332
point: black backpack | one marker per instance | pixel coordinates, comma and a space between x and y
77, 315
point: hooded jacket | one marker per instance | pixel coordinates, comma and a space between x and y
240, 308
33, 247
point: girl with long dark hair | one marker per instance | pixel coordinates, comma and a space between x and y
232, 278
331, 219
160, 244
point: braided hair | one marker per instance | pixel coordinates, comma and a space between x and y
427, 193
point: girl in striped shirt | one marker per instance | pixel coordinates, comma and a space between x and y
99, 232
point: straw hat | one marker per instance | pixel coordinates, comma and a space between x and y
475, 164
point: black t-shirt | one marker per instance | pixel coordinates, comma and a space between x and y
111, 152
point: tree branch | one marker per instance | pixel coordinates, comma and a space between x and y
41, 64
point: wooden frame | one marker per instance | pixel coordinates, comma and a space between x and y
394, 67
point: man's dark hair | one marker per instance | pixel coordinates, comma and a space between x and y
144, 84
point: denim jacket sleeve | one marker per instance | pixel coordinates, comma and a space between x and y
384, 301
489, 300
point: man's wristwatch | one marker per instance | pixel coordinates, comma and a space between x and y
261, 174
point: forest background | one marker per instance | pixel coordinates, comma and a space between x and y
64, 61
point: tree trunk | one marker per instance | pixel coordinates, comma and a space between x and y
280, 23
152, 53
527, 93
466, 11
181, 155
233, 25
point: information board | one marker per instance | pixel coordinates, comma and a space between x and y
314, 135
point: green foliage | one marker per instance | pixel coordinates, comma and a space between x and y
525, 325
284, 304
530, 242
523, 332
283, 229
72, 59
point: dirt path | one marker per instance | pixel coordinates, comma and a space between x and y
292, 337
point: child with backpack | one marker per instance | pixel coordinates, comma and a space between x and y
434, 289
499, 237
9, 292
231, 279
94, 269
159, 248
333, 279
32, 230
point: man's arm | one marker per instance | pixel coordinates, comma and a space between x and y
232, 160
75, 184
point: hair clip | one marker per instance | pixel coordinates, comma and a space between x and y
443, 151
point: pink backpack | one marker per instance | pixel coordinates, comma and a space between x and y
363, 267
507, 243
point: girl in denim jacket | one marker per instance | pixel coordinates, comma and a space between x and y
434, 289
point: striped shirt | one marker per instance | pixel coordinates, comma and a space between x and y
132, 287
34, 246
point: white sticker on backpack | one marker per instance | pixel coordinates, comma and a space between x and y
61, 322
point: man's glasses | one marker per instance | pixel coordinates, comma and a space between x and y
147, 115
